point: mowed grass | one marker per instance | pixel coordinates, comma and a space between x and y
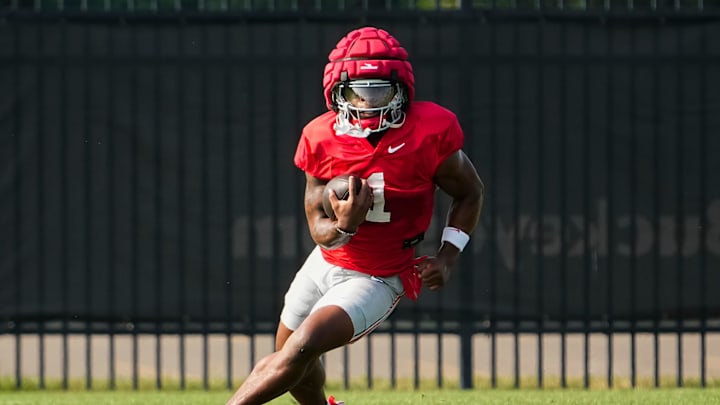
674, 396
382, 393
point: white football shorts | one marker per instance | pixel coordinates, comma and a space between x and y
368, 300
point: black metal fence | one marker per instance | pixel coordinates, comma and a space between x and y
147, 186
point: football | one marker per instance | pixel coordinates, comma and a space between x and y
341, 186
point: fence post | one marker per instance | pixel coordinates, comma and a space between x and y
466, 356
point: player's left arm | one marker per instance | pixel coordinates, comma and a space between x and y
457, 177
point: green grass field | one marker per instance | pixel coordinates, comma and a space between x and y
674, 396
382, 394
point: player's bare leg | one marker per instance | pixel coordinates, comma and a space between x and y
311, 389
326, 329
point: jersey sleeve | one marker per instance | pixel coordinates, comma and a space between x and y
303, 154
448, 137
451, 140
312, 154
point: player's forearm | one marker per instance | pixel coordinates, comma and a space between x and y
323, 230
464, 214
325, 233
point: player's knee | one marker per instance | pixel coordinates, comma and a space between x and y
300, 348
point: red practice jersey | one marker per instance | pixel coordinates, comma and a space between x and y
400, 171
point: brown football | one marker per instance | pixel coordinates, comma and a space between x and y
341, 186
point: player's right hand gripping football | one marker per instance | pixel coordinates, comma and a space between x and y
351, 213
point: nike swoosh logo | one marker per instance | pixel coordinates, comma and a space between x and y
395, 149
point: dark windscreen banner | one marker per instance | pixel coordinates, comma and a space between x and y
147, 169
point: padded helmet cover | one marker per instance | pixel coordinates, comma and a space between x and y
368, 52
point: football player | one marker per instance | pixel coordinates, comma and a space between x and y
364, 261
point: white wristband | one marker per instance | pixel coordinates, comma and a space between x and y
457, 237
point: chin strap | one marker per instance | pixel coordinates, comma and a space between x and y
344, 127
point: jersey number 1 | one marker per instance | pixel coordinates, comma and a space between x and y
377, 213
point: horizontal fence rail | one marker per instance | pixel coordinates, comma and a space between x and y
154, 219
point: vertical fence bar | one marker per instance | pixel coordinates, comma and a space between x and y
252, 208
393, 359
610, 181
466, 375
157, 140
110, 178
416, 354
439, 375
563, 207
87, 187
656, 211
227, 157
516, 209
182, 243
64, 196
369, 362
540, 179
204, 203
298, 187
679, 216
346, 367
703, 134
17, 201
493, 205
42, 268
135, 202
42, 285
587, 179
299, 213
633, 213
274, 191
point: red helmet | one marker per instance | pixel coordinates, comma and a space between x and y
374, 54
